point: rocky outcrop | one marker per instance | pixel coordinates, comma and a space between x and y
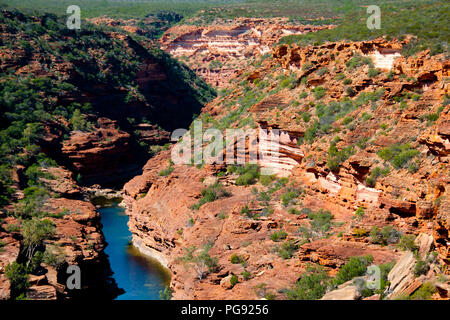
216, 52
438, 138
94, 155
410, 198
345, 291
403, 281
78, 240
9, 252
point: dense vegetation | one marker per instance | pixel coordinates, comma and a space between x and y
46, 72
32, 102
427, 20
315, 282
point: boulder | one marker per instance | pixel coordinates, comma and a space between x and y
226, 282
401, 275
349, 292
424, 242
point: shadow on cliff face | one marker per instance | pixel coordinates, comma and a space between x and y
97, 281
172, 93
172, 96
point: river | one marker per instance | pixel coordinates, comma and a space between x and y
139, 276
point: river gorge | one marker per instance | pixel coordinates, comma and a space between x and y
138, 276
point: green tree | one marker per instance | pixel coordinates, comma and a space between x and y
34, 232
201, 262
79, 122
18, 277
32, 132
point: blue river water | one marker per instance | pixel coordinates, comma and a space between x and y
141, 277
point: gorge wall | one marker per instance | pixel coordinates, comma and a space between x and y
78, 109
217, 52
370, 112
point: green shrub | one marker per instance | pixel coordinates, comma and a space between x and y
278, 235
202, 262
233, 280
34, 232
336, 157
265, 180
306, 116
357, 60
290, 82
289, 196
374, 174
18, 278
388, 235
365, 116
398, 155
340, 76
303, 95
424, 292
359, 213
307, 66
347, 120
312, 285
407, 243
432, 117
320, 221
210, 194
294, 211
319, 92
167, 171
355, 267
350, 91
245, 210
54, 256
322, 71
248, 174
166, 294
373, 72
287, 249
78, 121
12, 227
246, 275
421, 267
236, 259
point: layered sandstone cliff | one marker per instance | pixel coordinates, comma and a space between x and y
218, 51
412, 200
77, 240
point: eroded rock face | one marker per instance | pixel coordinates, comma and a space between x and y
96, 155
79, 240
402, 279
413, 200
216, 52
